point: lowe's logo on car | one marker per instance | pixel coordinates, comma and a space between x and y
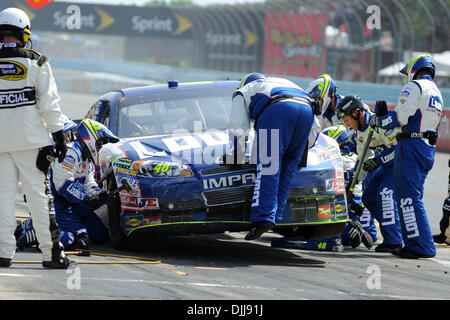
176, 144
143, 152
229, 181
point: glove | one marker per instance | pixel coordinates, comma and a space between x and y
60, 144
374, 121
381, 108
358, 209
45, 156
371, 164
97, 199
387, 122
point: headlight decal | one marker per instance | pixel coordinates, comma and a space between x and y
161, 169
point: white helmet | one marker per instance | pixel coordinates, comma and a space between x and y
15, 21
323, 88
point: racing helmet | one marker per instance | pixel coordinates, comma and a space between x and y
92, 135
250, 77
418, 63
324, 87
341, 135
69, 125
351, 105
15, 22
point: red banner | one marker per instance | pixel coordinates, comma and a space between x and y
295, 44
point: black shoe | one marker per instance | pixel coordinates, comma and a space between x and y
80, 243
27, 240
5, 262
19, 230
355, 233
385, 247
59, 259
409, 254
439, 238
61, 262
258, 229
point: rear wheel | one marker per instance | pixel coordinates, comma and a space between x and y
118, 238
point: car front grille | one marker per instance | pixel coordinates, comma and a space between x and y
181, 205
228, 196
306, 191
226, 169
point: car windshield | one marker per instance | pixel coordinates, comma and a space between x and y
170, 111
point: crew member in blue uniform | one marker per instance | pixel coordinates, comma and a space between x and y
418, 114
283, 118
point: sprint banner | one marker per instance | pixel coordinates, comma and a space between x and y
104, 19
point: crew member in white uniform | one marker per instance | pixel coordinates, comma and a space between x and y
30, 117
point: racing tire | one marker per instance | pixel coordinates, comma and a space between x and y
117, 236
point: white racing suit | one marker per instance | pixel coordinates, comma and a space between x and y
29, 112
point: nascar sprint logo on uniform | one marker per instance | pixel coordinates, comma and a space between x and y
12, 70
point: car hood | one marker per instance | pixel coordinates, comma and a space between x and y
203, 150
198, 150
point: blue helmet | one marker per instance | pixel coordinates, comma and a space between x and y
250, 77
418, 63
340, 134
93, 135
324, 87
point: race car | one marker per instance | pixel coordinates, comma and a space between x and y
172, 141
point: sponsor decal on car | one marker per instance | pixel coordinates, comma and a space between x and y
149, 204
152, 220
126, 171
123, 163
134, 221
230, 181
335, 185
340, 209
324, 211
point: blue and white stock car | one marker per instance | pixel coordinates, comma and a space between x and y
173, 138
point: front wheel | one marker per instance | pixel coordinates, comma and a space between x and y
118, 238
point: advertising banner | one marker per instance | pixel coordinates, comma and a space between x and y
227, 39
295, 44
105, 19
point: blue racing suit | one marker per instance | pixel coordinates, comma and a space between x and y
419, 109
282, 131
72, 181
378, 194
